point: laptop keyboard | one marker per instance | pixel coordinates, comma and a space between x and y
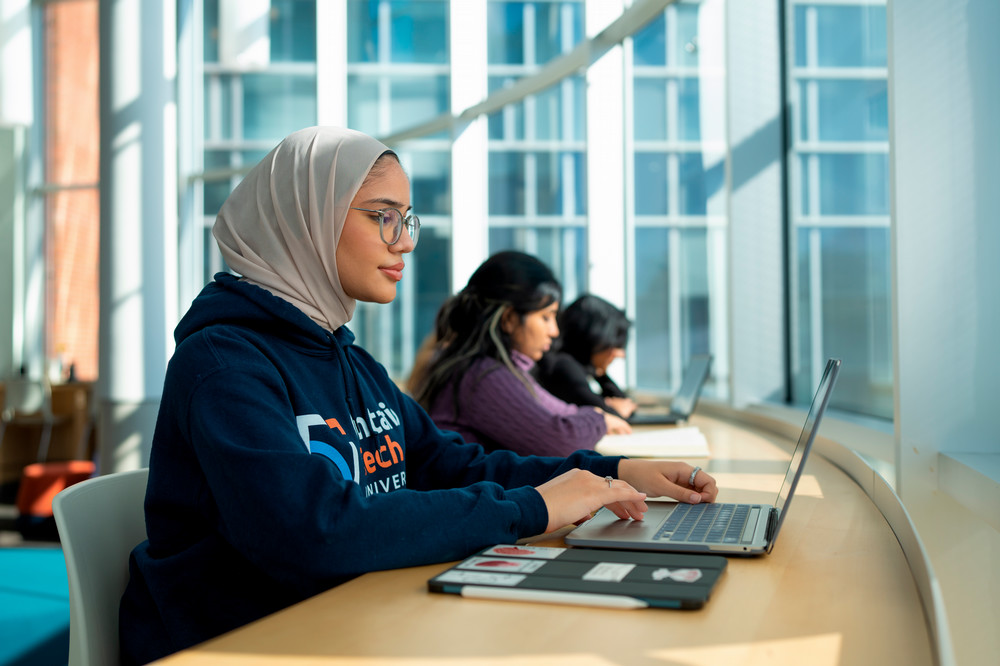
709, 523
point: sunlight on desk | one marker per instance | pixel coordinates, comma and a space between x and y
821, 650
243, 659
735, 487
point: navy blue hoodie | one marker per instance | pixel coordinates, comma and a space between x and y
285, 461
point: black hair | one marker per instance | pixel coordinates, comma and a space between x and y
469, 322
589, 325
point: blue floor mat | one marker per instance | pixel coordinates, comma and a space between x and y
34, 607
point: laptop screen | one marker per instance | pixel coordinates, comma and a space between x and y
806, 437
685, 398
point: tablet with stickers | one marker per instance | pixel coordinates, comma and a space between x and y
584, 576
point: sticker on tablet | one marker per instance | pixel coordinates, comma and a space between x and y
526, 551
679, 575
501, 564
480, 577
608, 571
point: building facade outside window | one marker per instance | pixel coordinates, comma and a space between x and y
258, 84
398, 76
838, 203
679, 196
537, 147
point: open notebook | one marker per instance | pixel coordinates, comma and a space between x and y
675, 442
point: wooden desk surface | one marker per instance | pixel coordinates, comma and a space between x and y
836, 589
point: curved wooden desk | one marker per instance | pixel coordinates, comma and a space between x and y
835, 590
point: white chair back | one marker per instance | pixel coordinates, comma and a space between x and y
100, 521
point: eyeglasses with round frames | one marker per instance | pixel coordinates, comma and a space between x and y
391, 223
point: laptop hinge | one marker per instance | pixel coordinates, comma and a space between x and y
772, 521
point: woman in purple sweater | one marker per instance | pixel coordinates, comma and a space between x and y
480, 384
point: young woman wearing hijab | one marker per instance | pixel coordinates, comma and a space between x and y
480, 383
284, 460
592, 334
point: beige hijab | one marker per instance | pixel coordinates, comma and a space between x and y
280, 227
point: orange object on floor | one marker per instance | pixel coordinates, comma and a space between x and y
41, 481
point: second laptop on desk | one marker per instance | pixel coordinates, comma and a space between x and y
726, 529
683, 401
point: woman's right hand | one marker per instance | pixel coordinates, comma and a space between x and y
624, 406
574, 495
615, 424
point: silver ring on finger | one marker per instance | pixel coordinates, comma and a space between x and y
693, 475
609, 479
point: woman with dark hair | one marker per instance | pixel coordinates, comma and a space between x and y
480, 383
593, 333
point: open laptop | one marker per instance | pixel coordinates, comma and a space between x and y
724, 529
683, 401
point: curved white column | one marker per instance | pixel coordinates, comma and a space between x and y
138, 280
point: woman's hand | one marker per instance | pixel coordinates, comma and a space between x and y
624, 406
666, 478
574, 495
615, 425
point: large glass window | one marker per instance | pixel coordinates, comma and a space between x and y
679, 198
253, 92
839, 202
252, 95
537, 158
397, 56
399, 77
382, 103
676, 203
399, 31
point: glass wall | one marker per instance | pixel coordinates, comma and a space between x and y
537, 148
839, 202
676, 210
258, 85
398, 76
679, 195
